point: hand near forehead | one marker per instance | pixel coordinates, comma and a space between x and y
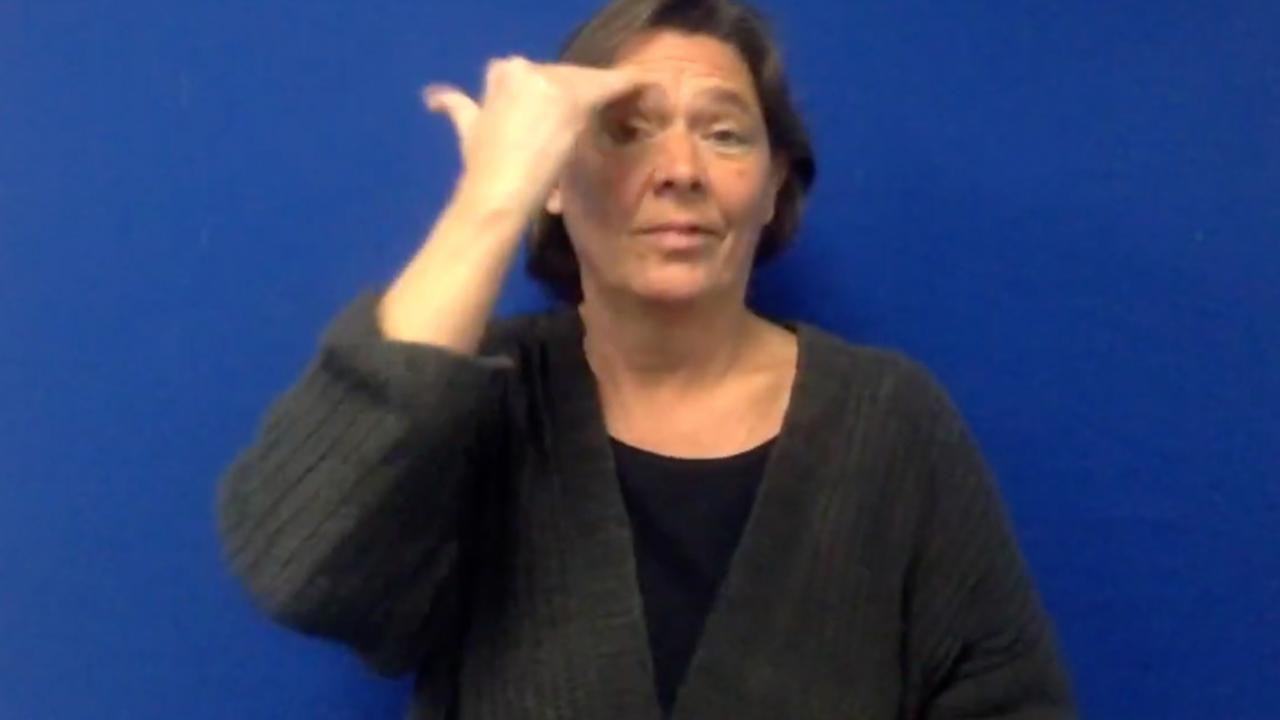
516, 140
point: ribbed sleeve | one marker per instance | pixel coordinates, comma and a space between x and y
344, 517
981, 640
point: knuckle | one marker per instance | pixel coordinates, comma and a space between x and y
494, 69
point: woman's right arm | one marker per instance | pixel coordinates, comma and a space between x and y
351, 513
345, 517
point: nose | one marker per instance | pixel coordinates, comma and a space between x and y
677, 166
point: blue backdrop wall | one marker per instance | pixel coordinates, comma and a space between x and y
1067, 210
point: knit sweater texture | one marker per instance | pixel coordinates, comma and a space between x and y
459, 517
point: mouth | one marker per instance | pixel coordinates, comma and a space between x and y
677, 228
677, 236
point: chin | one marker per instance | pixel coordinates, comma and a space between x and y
672, 290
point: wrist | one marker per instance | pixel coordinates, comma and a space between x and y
490, 206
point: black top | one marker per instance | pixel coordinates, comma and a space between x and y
686, 517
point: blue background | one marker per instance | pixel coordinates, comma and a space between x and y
1067, 210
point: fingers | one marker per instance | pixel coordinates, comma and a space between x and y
454, 103
614, 83
575, 88
601, 85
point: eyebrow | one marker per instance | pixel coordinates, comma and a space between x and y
727, 96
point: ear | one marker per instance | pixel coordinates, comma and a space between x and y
554, 203
777, 176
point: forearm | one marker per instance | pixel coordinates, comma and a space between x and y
446, 293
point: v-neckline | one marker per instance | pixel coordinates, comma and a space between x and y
600, 568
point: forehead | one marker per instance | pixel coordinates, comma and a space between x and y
680, 57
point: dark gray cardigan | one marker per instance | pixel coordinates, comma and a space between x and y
459, 517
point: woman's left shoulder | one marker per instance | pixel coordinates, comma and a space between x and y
884, 374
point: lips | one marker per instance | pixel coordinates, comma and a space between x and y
678, 227
677, 238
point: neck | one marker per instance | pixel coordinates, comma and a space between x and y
662, 349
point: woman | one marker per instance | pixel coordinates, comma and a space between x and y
649, 501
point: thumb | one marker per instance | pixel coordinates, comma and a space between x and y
451, 101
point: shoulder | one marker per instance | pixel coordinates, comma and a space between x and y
510, 338
898, 383
906, 401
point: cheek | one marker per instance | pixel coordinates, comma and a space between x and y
743, 189
605, 188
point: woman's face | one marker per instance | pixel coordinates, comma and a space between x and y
691, 150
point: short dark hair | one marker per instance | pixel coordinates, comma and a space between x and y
551, 260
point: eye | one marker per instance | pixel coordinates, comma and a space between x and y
626, 130
726, 136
